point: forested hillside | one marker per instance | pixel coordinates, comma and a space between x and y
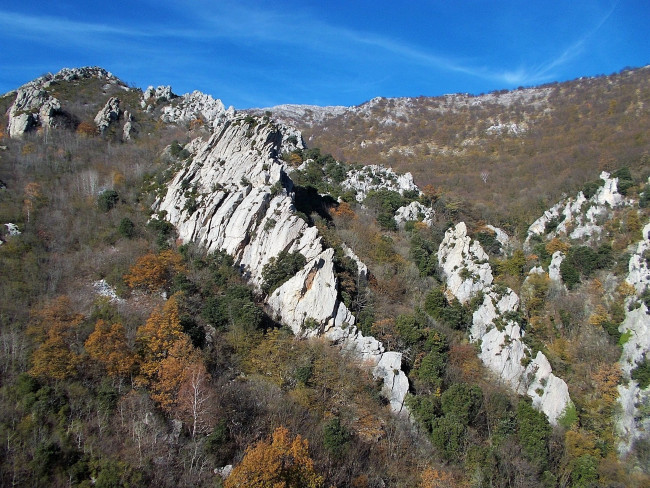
505, 155
136, 351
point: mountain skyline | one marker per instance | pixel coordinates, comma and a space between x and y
258, 55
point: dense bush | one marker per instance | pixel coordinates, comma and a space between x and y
279, 269
453, 313
641, 373
107, 200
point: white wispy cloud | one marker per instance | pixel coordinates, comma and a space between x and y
259, 30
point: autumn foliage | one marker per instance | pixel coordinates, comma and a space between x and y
280, 462
53, 328
153, 272
108, 345
157, 336
87, 129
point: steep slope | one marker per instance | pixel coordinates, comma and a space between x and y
495, 327
234, 195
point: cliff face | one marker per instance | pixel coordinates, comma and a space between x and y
633, 424
235, 196
494, 325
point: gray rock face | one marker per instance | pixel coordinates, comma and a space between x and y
128, 128
414, 211
376, 177
34, 107
465, 266
580, 217
154, 95
235, 196
632, 423
108, 115
197, 105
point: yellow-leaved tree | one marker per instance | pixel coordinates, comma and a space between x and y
279, 462
108, 345
156, 337
154, 272
54, 328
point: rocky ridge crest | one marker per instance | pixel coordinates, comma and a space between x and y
34, 107
235, 196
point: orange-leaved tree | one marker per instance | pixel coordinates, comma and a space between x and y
154, 272
433, 478
108, 345
170, 371
279, 462
54, 328
157, 336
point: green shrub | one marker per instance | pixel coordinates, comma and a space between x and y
590, 189
386, 222
335, 437
279, 269
641, 373
107, 200
126, 228
453, 313
533, 431
644, 197
177, 151
448, 435
410, 328
625, 180
462, 402
423, 254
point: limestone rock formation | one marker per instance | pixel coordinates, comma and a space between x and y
554, 267
152, 95
632, 425
128, 128
32, 107
196, 105
494, 325
376, 177
35, 107
580, 217
235, 196
108, 115
414, 211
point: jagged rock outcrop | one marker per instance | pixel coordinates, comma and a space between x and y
128, 130
554, 268
414, 211
152, 95
632, 424
495, 327
580, 217
235, 196
376, 177
108, 115
196, 105
35, 107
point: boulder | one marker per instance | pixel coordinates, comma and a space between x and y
108, 115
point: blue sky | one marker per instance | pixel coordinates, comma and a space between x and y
255, 53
